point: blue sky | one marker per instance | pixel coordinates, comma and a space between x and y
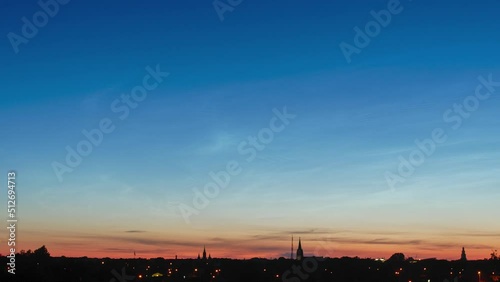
325, 171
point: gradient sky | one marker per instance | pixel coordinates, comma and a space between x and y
322, 178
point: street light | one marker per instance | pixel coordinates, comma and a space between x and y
479, 276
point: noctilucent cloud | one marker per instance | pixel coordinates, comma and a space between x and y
162, 127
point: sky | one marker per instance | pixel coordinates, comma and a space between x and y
333, 132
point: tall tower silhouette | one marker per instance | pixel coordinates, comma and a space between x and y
464, 256
204, 253
300, 252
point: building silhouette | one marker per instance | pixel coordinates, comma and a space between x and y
463, 257
300, 252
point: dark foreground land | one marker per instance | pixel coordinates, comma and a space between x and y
398, 268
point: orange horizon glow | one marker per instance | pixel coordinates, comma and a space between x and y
362, 251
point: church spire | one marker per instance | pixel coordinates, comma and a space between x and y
464, 256
300, 252
204, 253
